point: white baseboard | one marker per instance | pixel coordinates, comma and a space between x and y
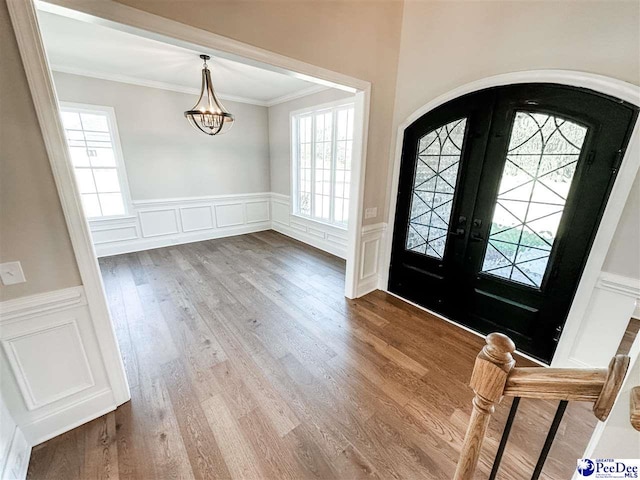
370, 261
71, 416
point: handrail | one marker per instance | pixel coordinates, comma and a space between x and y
583, 385
494, 376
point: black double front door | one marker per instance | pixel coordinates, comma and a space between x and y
500, 196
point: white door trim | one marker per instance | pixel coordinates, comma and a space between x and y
624, 180
25, 25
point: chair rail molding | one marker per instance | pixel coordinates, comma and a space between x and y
41, 304
619, 194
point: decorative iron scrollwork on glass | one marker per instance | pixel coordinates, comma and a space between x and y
541, 162
434, 185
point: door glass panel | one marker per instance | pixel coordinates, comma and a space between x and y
433, 188
541, 161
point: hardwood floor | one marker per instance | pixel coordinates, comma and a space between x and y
246, 361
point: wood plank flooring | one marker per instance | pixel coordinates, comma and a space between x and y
245, 361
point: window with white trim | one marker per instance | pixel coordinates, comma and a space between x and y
322, 141
95, 154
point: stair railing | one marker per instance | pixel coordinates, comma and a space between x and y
495, 376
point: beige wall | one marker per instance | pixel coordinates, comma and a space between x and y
32, 227
356, 38
199, 165
280, 135
449, 43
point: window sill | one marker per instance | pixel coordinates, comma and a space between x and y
340, 227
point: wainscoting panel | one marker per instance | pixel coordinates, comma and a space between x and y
158, 222
280, 209
172, 221
230, 215
370, 251
41, 385
317, 234
114, 234
196, 218
611, 306
53, 376
257, 211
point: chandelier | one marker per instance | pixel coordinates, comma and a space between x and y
209, 115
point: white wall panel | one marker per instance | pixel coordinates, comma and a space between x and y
321, 235
257, 211
369, 262
280, 212
52, 374
158, 222
369, 272
114, 234
229, 215
316, 232
611, 306
49, 364
196, 218
173, 221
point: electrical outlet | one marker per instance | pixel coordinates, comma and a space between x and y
371, 212
11, 273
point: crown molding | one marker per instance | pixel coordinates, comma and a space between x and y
116, 77
299, 94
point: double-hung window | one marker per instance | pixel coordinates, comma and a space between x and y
322, 145
96, 156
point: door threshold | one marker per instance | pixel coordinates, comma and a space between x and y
477, 334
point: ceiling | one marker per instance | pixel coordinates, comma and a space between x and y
74, 46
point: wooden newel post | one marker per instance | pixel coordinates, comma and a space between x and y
488, 379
